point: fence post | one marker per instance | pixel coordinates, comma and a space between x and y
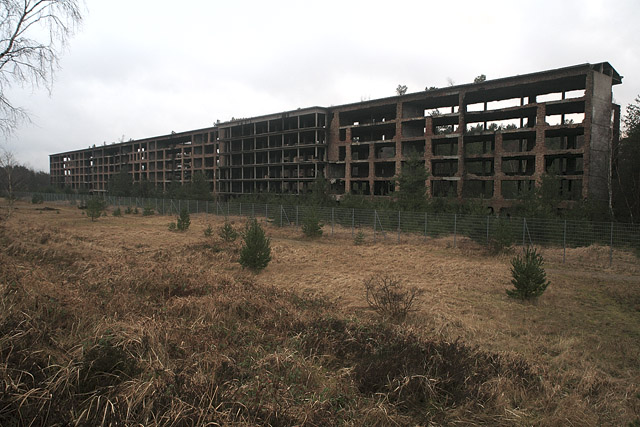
353, 221
455, 229
332, 220
425, 225
280, 215
488, 218
611, 247
524, 227
296, 216
564, 242
375, 216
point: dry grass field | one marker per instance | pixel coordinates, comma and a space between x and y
122, 322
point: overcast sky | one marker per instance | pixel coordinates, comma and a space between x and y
145, 68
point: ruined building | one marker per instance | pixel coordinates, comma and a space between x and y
490, 140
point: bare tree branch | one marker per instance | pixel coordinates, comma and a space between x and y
33, 34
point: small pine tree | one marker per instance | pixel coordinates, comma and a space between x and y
256, 251
529, 278
227, 232
95, 207
117, 212
208, 232
184, 220
148, 211
172, 226
358, 239
311, 226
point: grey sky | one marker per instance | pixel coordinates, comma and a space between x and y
143, 68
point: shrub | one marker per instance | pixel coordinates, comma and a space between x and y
256, 251
128, 211
147, 211
37, 199
358, 239
117, 212
136, 211
184, 220
208, 232
529, 278
387, 296
172, 226
95, 207
311, 226
227, 232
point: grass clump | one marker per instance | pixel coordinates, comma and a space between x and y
256, 251
128, 210
389, 297
172, 226
117, 212
529, 277
37, 199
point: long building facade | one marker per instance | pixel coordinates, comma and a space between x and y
491, 140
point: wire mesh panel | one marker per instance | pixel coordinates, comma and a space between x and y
571, 241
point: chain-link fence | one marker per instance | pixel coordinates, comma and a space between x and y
598, 244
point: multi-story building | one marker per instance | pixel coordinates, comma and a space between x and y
492, 140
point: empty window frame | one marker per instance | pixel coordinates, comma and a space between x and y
444, 188
444, 167
476, 189
519, 165
480, 167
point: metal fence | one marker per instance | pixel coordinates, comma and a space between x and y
609, 241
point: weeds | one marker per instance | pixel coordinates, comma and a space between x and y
389, 297
117, 212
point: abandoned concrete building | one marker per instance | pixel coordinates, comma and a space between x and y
490, 140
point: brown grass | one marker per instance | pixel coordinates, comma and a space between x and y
123, 321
